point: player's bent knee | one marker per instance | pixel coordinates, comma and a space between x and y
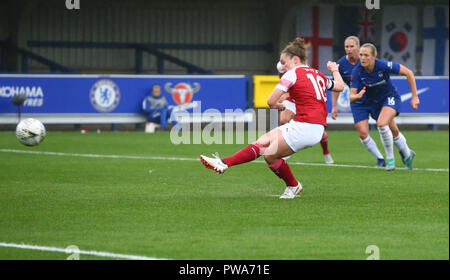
363, 135
382, 124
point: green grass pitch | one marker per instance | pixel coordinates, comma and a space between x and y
148, 202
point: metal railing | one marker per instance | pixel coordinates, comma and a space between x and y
155, 49
25, 56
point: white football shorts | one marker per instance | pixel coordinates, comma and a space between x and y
290, 106
300, 135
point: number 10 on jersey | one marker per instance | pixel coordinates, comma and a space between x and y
319, 86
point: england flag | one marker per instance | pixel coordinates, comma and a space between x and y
315, 25
398, 39
435, 41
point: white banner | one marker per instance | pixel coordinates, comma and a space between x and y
435, 41
398, 37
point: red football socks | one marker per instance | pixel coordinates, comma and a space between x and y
282, 169
247, 154
324, 143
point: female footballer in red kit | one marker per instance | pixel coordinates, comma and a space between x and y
307, 87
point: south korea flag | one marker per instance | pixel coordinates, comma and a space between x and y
398, 39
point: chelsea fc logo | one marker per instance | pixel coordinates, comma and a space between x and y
104, 95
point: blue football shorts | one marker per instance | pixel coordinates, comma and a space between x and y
361, 112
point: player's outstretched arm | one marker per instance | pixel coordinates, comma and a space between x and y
337, 87
338, 81
405, 71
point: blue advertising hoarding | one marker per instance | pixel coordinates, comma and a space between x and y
121, 94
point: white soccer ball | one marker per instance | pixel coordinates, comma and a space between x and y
30, 132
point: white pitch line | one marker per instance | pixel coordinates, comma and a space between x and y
72, 251
93, 155
196, 159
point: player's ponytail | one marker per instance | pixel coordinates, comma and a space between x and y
299, 48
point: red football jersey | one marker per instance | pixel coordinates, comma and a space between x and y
307, 87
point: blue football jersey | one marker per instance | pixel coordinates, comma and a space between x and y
345, 69
378, 83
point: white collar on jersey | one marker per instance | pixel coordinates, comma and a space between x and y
303, 65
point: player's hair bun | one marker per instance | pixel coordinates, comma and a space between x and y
298, 47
